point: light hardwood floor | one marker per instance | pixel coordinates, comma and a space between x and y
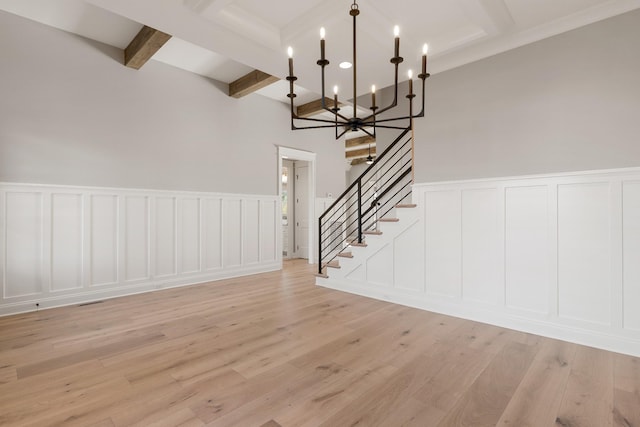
275, 350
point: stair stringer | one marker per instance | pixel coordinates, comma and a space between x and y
393, 259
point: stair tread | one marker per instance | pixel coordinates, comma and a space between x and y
388, 220
345, 255
373, 232
332, 264
324, 276
361, 245
406, 205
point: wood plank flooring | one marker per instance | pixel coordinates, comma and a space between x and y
274, 350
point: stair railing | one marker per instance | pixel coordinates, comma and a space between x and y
383, 185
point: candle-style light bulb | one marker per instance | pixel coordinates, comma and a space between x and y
335, 90
396, 33
335, 99
425, 49
322, 44
290, 53
410, 74
373, 95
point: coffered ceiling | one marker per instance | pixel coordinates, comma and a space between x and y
226, 39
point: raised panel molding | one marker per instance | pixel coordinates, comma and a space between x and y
136, 239
24, 244
104, 239
555, 255
584, 252
631, 254
67, 227
480, 281
526, 244
166, 230
63, 245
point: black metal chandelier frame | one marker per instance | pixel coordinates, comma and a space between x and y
368, 124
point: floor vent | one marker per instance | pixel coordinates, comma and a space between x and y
90, 303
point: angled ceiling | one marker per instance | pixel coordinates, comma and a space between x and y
226, 39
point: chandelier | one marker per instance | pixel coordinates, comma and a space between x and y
368, 124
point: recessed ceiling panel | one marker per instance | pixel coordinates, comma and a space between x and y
278, 13
528, 14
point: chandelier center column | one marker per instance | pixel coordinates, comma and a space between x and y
355, 12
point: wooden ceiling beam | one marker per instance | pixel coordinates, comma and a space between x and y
314, 107
143, 46
361, 140
363, 152
250, 83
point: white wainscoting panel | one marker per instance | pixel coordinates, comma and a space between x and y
213, 234
136, 239
631, 251
232, 232
443, 221
104, 236
480, 281
166, 244
555, 255
63, 245
584, 252
269, 230
190, 235
526, 249
66, 241
251, 234
24, 243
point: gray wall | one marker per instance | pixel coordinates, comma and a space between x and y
568, 103
71, 113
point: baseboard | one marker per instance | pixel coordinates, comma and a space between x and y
465, 310
139, 288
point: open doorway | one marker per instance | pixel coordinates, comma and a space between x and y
296, 184
295, 209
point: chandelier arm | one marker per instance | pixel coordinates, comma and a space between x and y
341, 133
390, 120
322, 64
368, 133
391, 127
421, 113
312, 119
314, 127
395, 94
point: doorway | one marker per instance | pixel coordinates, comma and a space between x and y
295, 209
296, 188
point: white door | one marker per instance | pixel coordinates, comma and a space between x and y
301, 170
288, 193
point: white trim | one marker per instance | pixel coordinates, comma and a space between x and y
622, 172
307, 156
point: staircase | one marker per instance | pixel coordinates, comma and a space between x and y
367, 209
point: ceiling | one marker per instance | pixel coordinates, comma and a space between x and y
226, 39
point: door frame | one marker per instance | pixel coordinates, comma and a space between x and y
307, 156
